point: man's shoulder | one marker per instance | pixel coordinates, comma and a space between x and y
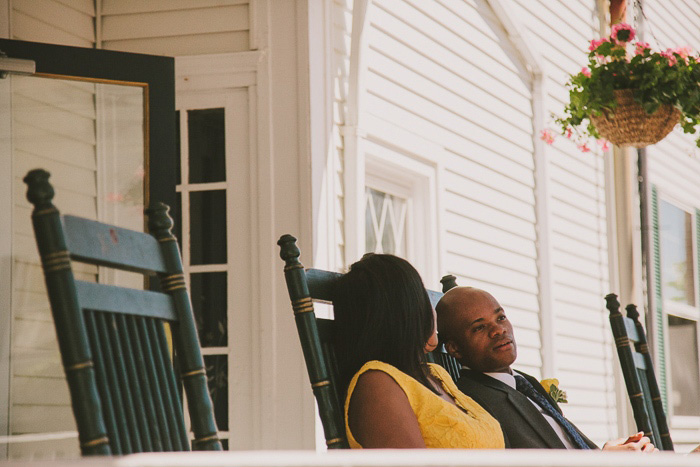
471, 381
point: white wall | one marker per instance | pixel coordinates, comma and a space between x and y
444, 83
560, 31
175, 28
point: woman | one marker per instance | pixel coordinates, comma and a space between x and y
394, 399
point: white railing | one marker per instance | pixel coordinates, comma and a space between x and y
382, 458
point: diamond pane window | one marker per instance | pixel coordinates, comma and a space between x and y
385, 222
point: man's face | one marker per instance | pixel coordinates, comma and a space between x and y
483, 338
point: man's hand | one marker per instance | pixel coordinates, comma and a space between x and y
636, 442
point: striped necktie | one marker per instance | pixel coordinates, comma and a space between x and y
524, 386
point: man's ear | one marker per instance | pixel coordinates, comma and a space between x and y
452, 349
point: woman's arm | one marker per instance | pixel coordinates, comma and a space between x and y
380, 415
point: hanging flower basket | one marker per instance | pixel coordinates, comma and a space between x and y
630, 94
629, 124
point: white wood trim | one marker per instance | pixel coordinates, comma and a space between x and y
253, 19
308, 211
542, 226
7, 206
227, 63
383, 458
185, 200
237, 103
199, 268
413, 178
354, 164
195, 187
625, 417
518, 38
242, 399
323, 166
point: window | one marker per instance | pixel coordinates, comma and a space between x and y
385, 222
678, 253
678, 278
399, 213
683, 347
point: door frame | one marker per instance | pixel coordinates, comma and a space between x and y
151, 71
156, 74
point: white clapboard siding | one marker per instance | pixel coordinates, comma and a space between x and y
444, 71
64, 22
341, 38
53, 126
175, 28
559, 32
46, 450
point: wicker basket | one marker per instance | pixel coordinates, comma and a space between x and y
629, 125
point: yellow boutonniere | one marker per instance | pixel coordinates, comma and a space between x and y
551, 385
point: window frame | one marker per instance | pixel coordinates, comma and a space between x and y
398, 173
680, 310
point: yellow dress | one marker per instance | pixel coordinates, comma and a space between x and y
443, 425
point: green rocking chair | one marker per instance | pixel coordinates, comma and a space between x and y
113, 343
316, 335
638, 371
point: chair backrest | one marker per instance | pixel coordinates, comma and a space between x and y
638, 371
316, 335
112, 340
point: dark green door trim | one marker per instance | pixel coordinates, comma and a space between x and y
155, 72
157, 75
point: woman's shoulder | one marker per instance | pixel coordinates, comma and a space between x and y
379, 366
439, 371
376, 388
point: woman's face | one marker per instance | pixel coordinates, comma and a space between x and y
433, 339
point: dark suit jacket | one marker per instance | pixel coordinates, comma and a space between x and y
523, 425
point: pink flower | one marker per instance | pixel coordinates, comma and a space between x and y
547, 136
596, 43
641, 47
604, 144
683, 51
668, 53
584, 147
115, 197
586, 72
621, 33
569, 133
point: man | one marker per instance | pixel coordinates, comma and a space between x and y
476, 331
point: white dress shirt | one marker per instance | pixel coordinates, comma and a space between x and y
509, 379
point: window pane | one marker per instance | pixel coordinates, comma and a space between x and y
683, 346
385, 223
208, 227
678, 283
207, 145
217, 379
209, 298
